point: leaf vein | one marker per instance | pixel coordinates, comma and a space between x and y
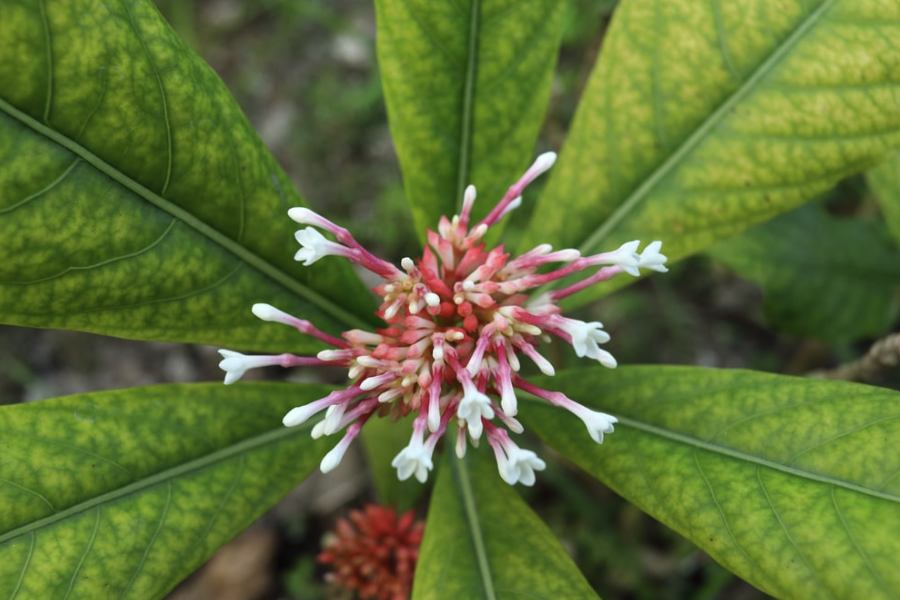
432, 36
184, 296
104, 79
102, 263
723, 40
83, 556
46, 22
221, 507
866, 558
718, 506
30, 491
162, 93
840, 435
691, 441
787, 533
54, 442
27, 564
43, 191
159, 525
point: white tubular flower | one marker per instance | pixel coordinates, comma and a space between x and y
434, 413
606, 359
299, 415
541, 165
472, 408
267, 312
521, 465
314, 246
414, 459
651, 258
516, 203
626, 257
597, 423
460, 443
304, 216
333, 417
236, 364
585, 340
335, 456
318, 430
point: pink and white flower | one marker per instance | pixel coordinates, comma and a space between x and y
457, 320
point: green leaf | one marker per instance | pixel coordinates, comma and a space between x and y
790, 483
122, 494
823, 277
466, 85
135, 198
702, 118
482, 541
885, 183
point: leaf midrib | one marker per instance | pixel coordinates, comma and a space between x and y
751, 458
695, 442
638, 195
465, 136
241, 252
470, 508
191, 466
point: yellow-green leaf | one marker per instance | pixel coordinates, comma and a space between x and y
482, 541
122, 494
790, 483
703, 117
135, 198
466, 85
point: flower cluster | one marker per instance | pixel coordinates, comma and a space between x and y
458, 319
374, 552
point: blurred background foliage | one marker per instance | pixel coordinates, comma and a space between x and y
306, 74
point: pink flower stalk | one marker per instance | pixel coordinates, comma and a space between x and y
457, 321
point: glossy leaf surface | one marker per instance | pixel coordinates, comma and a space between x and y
703, 118
822, 277
482, 541
790, 483
466, 85
135, 198
122, 494
885, 183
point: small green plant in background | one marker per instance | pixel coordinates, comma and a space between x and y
137, 201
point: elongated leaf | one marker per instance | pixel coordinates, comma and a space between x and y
482, 541
466, 84
122, 494
885, 183
790, 483
826, 278
704, 117
135, 198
